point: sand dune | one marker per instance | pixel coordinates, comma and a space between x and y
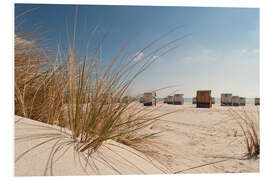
110, 158
198, 140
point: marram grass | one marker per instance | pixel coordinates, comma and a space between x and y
73, 92
249, 123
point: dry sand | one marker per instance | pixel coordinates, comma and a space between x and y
32, 154
192, 136
196, 136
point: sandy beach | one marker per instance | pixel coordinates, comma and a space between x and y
109, 90
197, 136
196, 141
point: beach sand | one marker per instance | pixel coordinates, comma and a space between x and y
197, 140
198, 136
32, 154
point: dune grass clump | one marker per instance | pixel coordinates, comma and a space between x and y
71, 90
39, 86
249, 122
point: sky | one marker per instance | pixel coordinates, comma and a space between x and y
220, 53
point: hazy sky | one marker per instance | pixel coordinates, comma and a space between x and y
222, 54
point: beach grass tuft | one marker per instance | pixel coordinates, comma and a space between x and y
77, 90
249, 124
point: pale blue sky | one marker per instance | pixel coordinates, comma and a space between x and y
222, 54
